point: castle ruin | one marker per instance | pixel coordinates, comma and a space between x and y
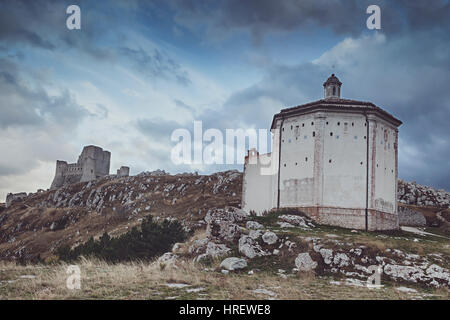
93, 163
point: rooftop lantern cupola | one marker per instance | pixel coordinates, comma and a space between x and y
332, 87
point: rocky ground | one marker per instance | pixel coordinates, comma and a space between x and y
287, 243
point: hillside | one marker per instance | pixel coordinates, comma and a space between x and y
43, 221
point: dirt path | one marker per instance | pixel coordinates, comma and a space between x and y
421, 232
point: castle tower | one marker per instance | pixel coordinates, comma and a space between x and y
60, 172
332, 87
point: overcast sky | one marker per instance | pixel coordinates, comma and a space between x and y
136, 71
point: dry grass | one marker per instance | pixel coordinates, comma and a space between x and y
100, 280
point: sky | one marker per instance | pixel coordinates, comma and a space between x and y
138, 70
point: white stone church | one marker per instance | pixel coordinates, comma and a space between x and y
334, 159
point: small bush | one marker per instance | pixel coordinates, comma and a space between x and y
151, 240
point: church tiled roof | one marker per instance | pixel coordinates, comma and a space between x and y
338, 105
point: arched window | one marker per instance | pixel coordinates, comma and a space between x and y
334, 91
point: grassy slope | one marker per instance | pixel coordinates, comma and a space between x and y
147, 281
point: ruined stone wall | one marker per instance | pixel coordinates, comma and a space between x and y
123, 171
257, 188
11, 197
409, 217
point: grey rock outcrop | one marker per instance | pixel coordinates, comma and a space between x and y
413, 193
168, 258
233, 263
221, 223
304, 262
269, 237
254, 225
250, 248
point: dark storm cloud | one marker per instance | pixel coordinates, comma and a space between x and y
42, 24
153, 63
18, 22
348, 17
22, 104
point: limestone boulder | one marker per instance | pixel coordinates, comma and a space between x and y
304, 262
216, 250
254, 225
269, 237
250, 248
255, 234
168, 258
233, 263
297, 221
